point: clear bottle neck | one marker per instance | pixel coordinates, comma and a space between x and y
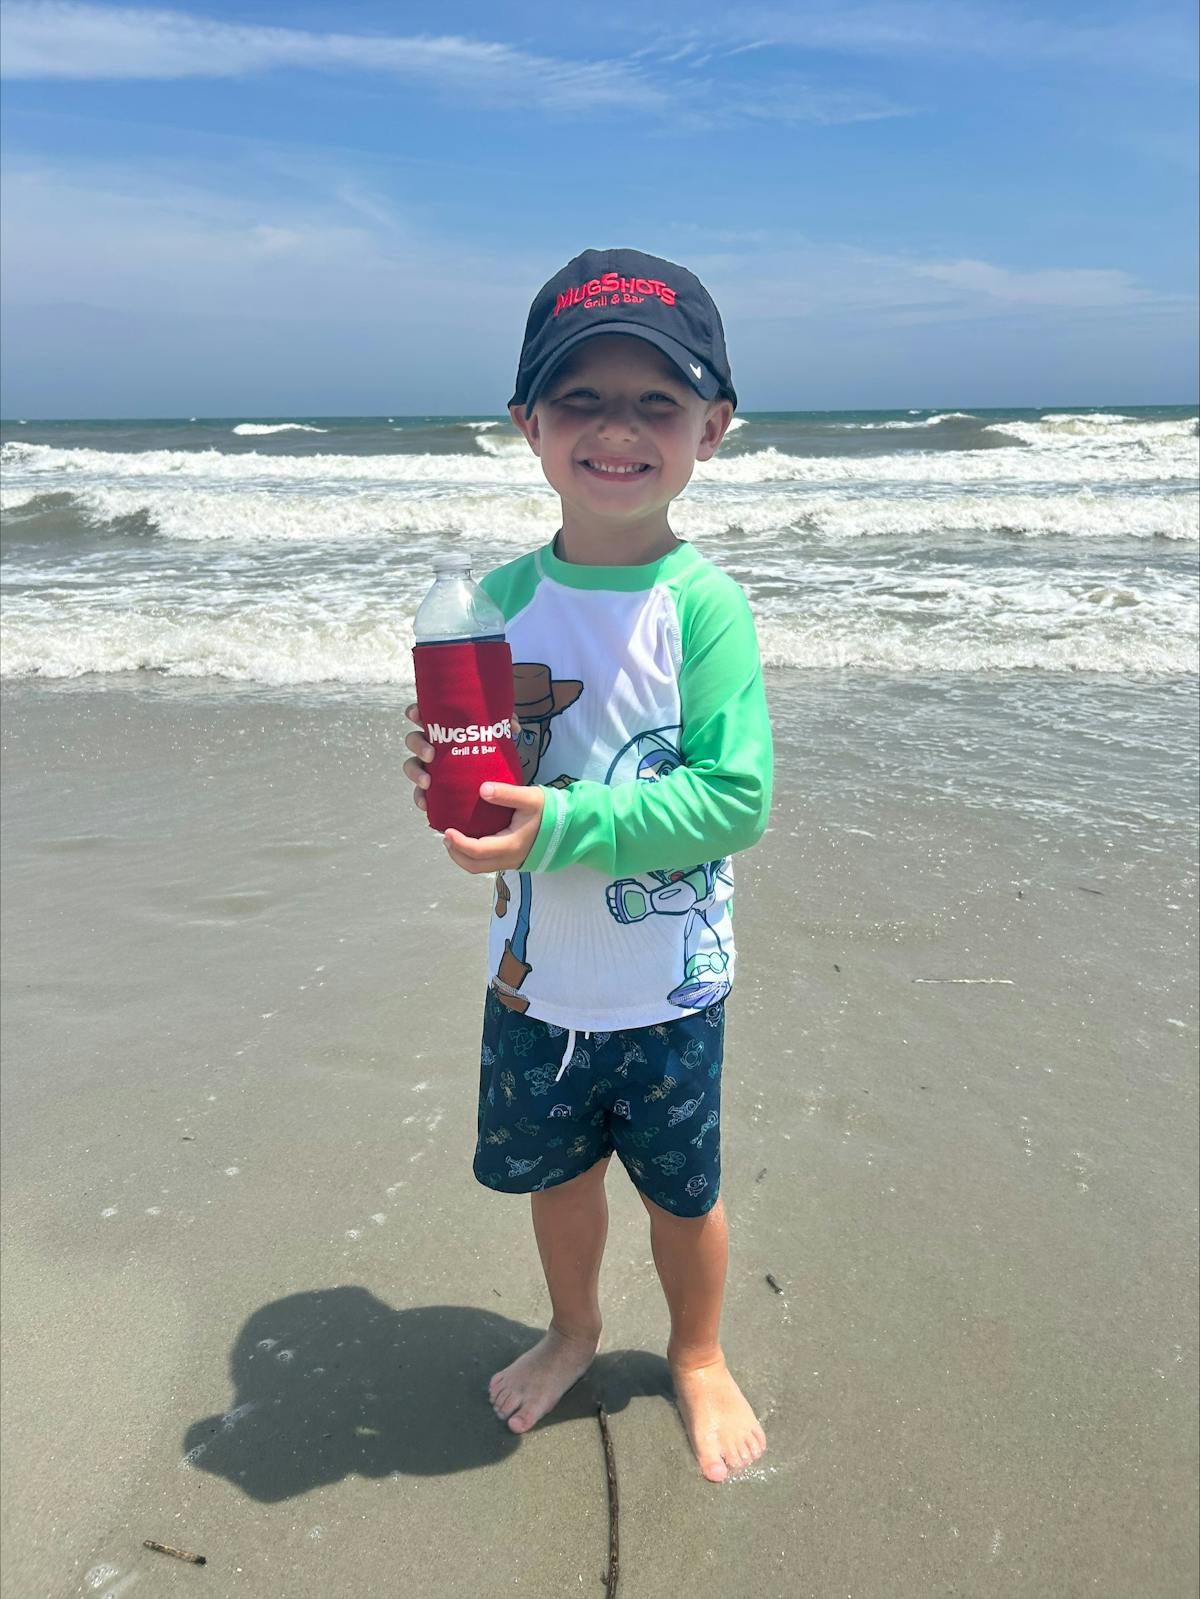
457, 610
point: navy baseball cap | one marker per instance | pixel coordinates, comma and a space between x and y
624, 291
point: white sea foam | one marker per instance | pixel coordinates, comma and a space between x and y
263, 516
1159, 452
520, 514
252, 428
499, 445
1100, 419
344, 625
933, 517
1171, 457
40, 461
925, 422
882, 646
277, 645
289, 650
1107, 437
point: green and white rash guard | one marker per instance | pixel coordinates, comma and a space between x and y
640, 696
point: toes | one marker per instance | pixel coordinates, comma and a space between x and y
521, 1420
715, 1470
504, 1401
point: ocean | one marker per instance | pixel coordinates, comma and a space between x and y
1000, 604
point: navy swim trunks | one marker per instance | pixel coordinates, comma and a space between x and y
553, 1102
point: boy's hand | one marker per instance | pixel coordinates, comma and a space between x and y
422, 752
414, 769
503, 851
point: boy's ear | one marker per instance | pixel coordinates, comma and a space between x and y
528, 425
716, 425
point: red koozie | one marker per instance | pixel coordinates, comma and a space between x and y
465, 700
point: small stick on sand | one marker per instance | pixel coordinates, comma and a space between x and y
180, 1554
1004, 982
771, 1283
610, 1466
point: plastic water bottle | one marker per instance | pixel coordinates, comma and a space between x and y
456, 608
463, 669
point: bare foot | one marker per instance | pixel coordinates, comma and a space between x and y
522, 1393
724, 1431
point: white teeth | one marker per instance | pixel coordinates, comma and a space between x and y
620, 471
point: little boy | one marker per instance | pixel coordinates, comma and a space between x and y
643, 720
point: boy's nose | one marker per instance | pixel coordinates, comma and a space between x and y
620, 418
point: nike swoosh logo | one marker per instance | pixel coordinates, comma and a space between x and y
697, 371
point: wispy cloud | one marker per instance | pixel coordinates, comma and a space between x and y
47, 39
305, 289
111, 234
793, 279
119, 235
1154, 38
1078, 287
794, 100
60, 39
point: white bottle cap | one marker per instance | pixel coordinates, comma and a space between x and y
452, 561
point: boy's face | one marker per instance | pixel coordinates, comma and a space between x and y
619, 432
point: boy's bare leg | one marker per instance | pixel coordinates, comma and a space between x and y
571, 1225
692, 1253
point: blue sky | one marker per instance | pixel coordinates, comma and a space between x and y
317, 208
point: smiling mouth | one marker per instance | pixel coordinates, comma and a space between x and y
631, 469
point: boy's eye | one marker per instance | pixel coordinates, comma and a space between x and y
590, 397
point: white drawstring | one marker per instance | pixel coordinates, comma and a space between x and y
569, 1052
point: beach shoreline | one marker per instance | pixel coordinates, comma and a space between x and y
242, 996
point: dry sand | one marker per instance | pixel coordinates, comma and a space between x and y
252, 1296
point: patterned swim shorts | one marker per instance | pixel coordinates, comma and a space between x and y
652, 1094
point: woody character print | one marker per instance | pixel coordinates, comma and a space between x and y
537, 700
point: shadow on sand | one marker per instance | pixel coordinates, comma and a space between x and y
335, 1382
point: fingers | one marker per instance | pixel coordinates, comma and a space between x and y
416, 774
454, 841
414, 767
475, 854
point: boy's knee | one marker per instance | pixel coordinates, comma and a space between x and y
661, 1216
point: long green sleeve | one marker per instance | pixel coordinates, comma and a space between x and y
716, 803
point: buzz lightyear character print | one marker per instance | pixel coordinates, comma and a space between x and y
537, 699
647, 758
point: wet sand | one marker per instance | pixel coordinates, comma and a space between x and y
252, 1296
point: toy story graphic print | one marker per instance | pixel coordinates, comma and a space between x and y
652, 1095
648, 758
688, 894
537, 700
